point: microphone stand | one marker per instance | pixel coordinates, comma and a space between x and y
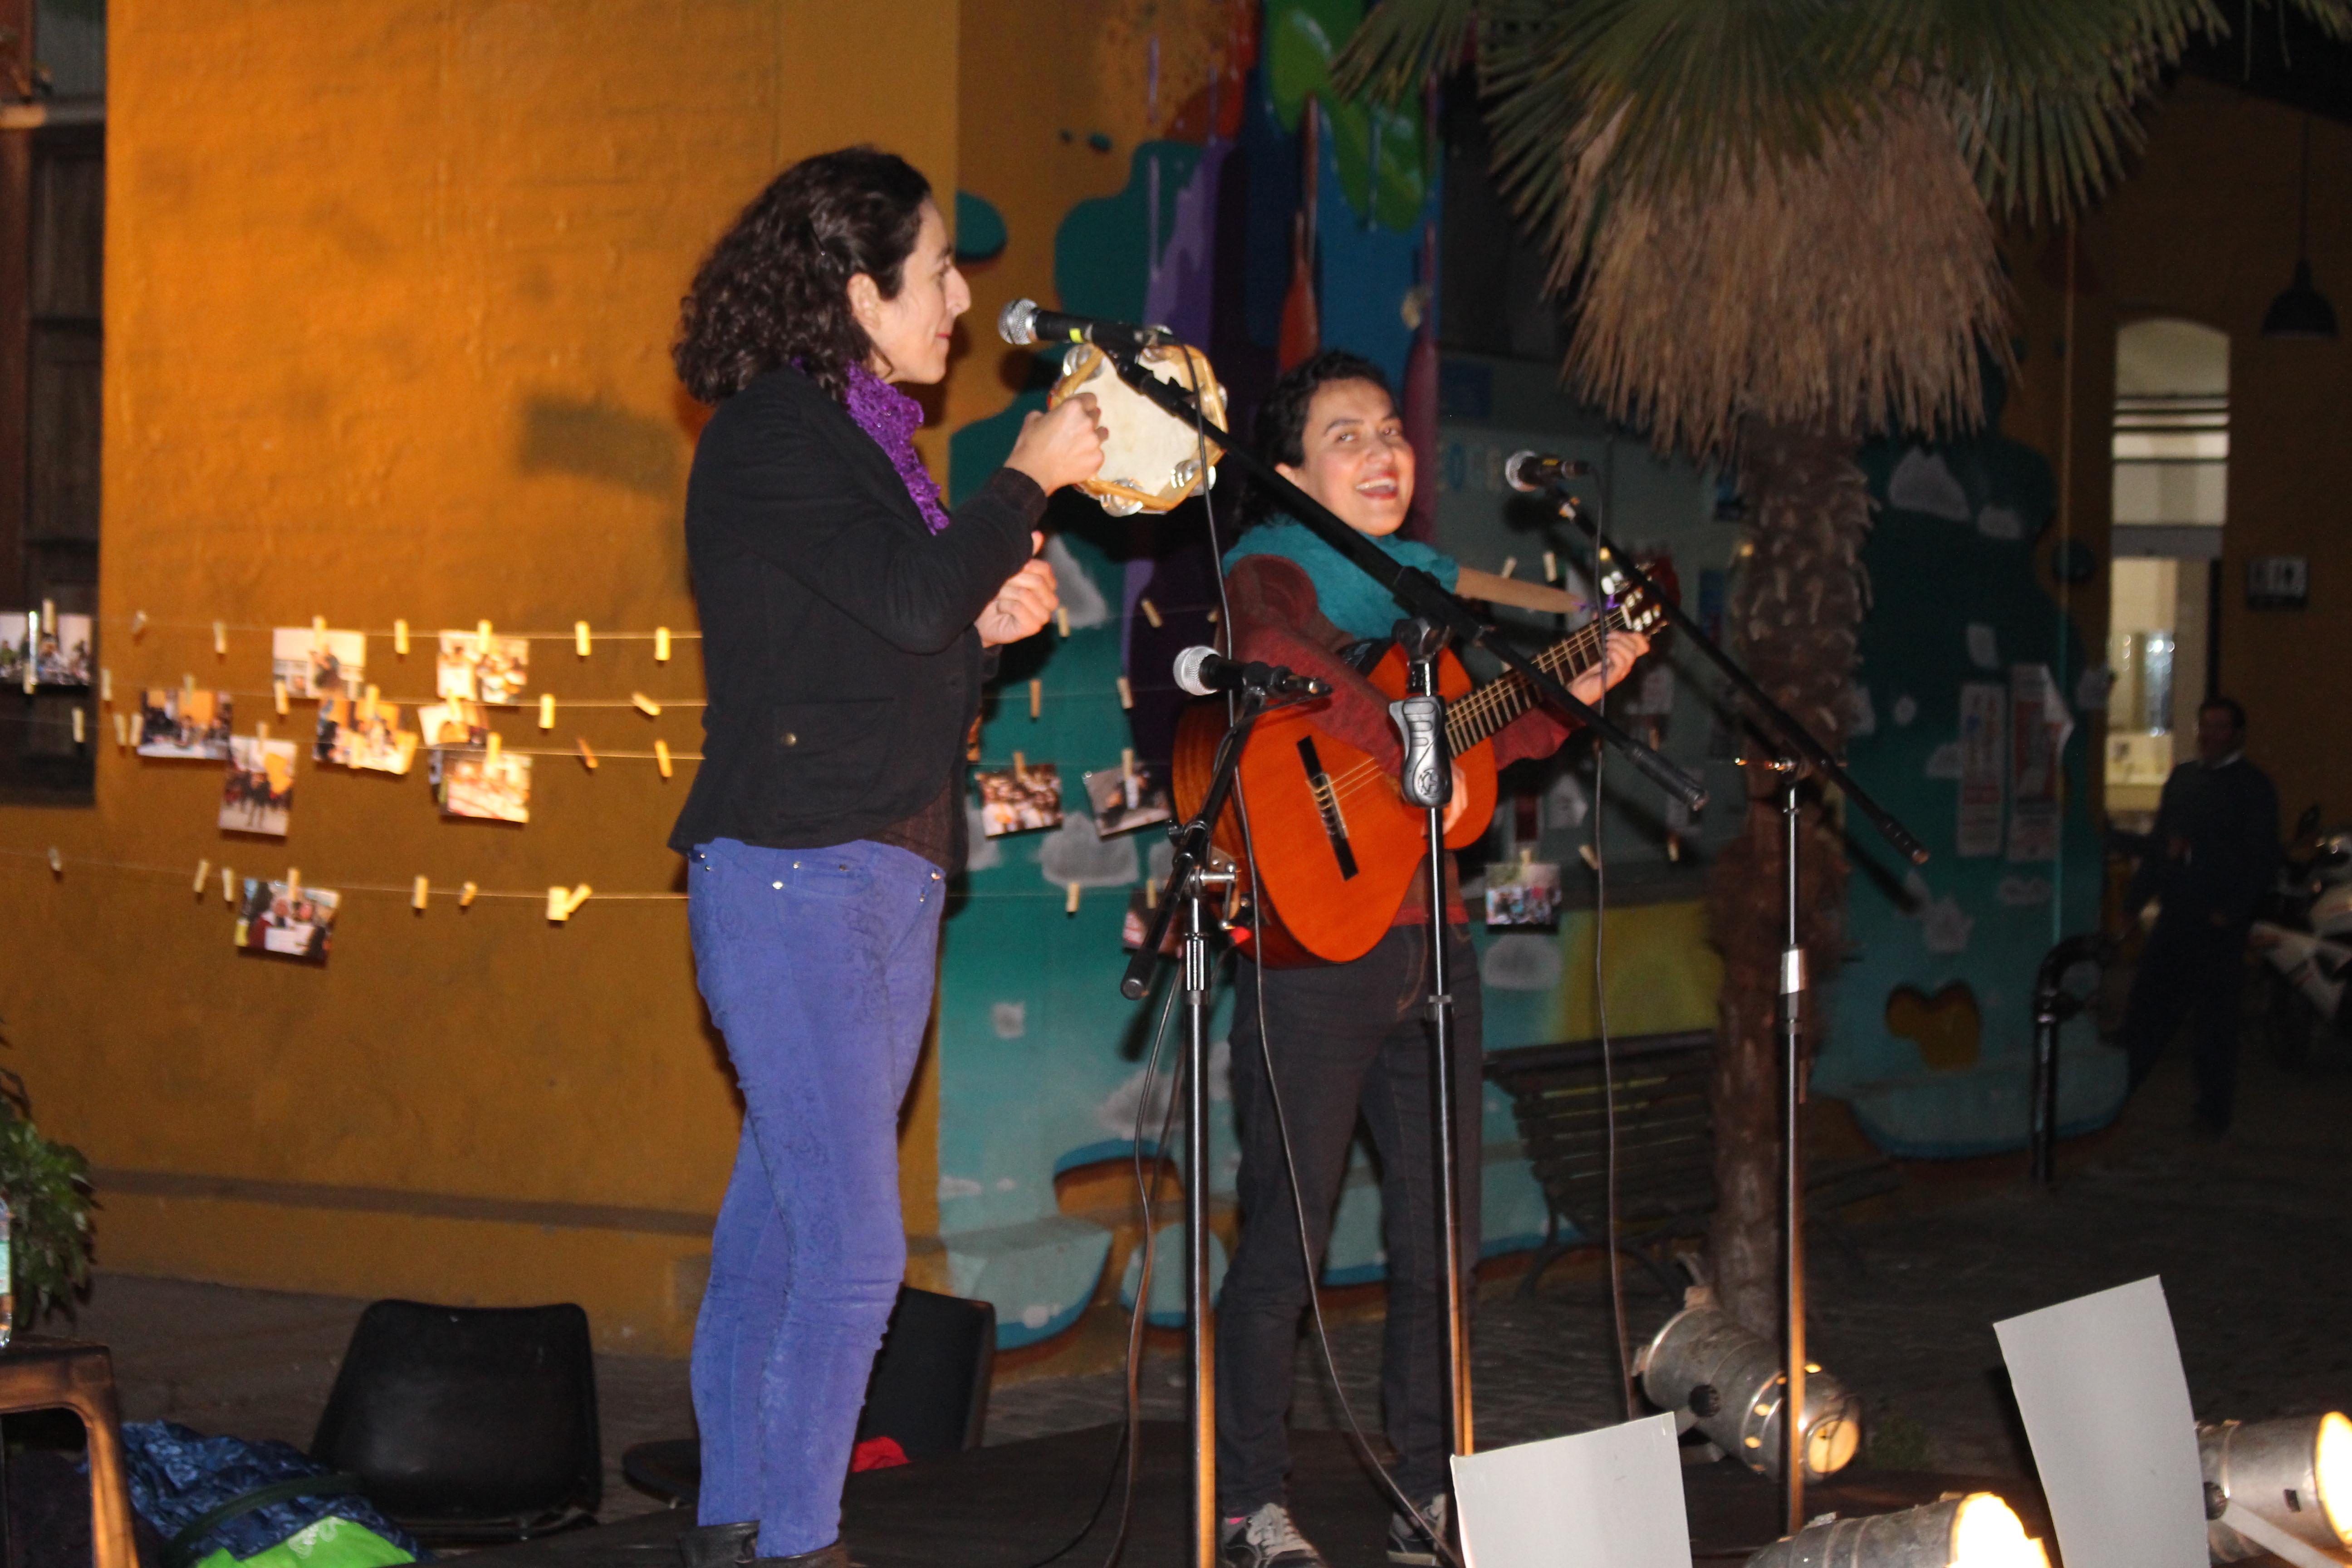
1426, 780
1190, 874
1797, 754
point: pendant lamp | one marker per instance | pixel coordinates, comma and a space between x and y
2302, 310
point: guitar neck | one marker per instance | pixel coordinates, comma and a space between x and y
1473, 719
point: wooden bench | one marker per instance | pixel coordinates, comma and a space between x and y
1665, 1145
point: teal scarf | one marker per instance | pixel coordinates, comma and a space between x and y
1349, 600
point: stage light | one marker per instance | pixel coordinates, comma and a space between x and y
1973, 1531
1729, 1382
2294, 1475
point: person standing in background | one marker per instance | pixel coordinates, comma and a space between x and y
2213, 856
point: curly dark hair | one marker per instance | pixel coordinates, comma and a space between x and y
1280, 426
776, 286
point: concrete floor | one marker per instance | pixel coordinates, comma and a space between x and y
2252, 1238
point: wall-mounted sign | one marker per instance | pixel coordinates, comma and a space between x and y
2278, 581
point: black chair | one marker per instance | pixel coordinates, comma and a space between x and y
928, 1393
468, 1423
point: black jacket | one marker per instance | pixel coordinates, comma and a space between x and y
2215, 848
837, 639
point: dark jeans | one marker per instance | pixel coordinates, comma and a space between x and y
817, 965
1349, 1039
2191, 968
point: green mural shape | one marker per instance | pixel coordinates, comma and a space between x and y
980, 228
1382, 151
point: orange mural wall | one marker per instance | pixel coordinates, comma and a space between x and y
387, 325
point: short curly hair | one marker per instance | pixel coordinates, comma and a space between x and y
1281, 423
775, 288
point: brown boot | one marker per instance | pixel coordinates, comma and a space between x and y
717, 1545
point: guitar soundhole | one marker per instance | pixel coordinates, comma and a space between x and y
1327, 806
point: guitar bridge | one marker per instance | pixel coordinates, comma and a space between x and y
1327, 806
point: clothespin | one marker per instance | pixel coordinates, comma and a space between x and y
400, 638
1150, 894
482, 636
318, 633
78, 726
661, 757
293, 881
49, 615
1070, 904
106, 685
1150, 611
490, 751
1126, 764
138, 727
1526, 854
1675, 847
579, 896
547, 710
587, 756
220, 636
645, 704
1036, 696
228, 886
367, 703
261, 732
278, 693
1062, 619
203, 871
137, 623
1125, 693
466, 896
1212, 617
424, 890
1020, 770
57, 862
122, 729
1510, 565
661, 644
558, 904
188, 682
1551, 567
580, 638
1584, 852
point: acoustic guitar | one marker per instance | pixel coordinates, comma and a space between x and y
1337, 845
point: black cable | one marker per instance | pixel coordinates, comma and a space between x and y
1601, 1011
1129, 1444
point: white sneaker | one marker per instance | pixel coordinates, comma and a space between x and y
1266, 1539
1409, 1544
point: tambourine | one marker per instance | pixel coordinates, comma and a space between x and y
1152, 460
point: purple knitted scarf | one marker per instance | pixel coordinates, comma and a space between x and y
892, 417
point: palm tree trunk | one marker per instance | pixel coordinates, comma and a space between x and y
1794, 615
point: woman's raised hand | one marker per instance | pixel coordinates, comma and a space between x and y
1023, 605
1062, 447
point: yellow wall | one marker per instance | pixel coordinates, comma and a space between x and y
387, 327
2205, 229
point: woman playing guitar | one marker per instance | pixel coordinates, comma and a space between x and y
1348, 1039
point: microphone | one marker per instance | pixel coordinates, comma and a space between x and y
1026, 321
1203, 672
1534, 470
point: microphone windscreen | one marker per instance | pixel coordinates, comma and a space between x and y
1188, 670
1017, 322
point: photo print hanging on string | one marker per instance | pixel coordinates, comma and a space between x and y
258, 794
317, 663
287, 920
188, 726
1023, 798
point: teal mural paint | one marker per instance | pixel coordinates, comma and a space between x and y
1956, 607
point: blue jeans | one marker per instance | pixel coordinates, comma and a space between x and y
818, 967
